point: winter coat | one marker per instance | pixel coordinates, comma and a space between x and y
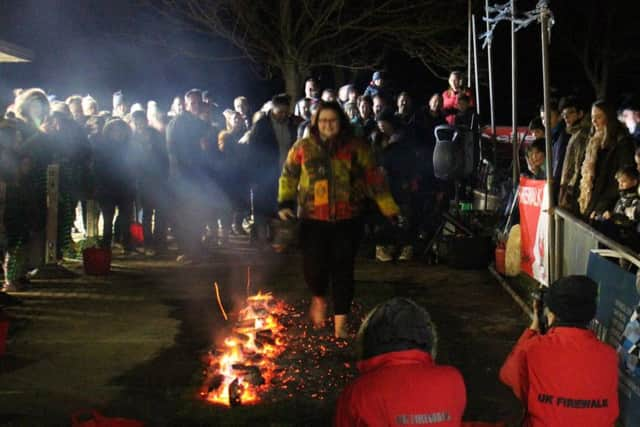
402, 388
398, 159
574, 156
184, 136
636, 136
628, 204
113, 169
264, 162
331, 183
151, 160
564, 378
234, 156
559, 143
38, 149
372, 90
604, 156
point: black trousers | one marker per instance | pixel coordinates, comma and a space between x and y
125, 212
328, 252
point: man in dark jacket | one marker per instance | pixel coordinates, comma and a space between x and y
559, 142
399, 382
186, 137
395, 153
574, 114
152, 170
566, 377
271, 138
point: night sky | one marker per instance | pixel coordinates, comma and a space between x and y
92, 46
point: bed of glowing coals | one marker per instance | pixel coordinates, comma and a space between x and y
270, 352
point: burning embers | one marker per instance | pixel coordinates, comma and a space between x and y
239, 372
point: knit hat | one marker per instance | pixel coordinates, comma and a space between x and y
396, 325
573, 299
378, 75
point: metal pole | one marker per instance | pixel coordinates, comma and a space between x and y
468, 83
544, 31
53, 202
514, 99
490, 62
475, 63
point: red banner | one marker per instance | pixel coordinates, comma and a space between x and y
533, 228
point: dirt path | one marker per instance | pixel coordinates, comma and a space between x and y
131, 344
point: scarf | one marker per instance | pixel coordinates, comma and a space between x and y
596, 142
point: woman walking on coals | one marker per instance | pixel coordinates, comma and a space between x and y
329, 175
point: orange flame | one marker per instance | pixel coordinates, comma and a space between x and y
224, 313
257, 340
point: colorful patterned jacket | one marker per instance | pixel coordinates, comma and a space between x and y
332, 183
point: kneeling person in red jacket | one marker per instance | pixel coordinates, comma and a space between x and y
566, 377
400, 384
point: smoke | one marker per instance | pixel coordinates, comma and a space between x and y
97, 47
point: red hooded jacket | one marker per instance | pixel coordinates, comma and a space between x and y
564, 378
450, 103
402, 388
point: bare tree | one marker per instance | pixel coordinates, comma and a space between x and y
598, 37
294, 37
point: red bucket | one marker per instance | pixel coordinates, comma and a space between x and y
137, 233
501, 253
96, 261
4, 332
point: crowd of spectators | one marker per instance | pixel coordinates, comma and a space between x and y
199, 170
595, 162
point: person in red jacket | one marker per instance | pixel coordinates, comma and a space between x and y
450, 97
566, 377
400, 384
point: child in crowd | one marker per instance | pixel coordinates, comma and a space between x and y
628, 205
536, 160
465, 115
536, 128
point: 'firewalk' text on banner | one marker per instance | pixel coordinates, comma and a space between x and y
617, 298
533, 203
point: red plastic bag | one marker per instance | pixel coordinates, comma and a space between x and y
96, 419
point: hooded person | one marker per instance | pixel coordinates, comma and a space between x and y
271, 138
566, 377
27, 221
377, 86
399, 381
